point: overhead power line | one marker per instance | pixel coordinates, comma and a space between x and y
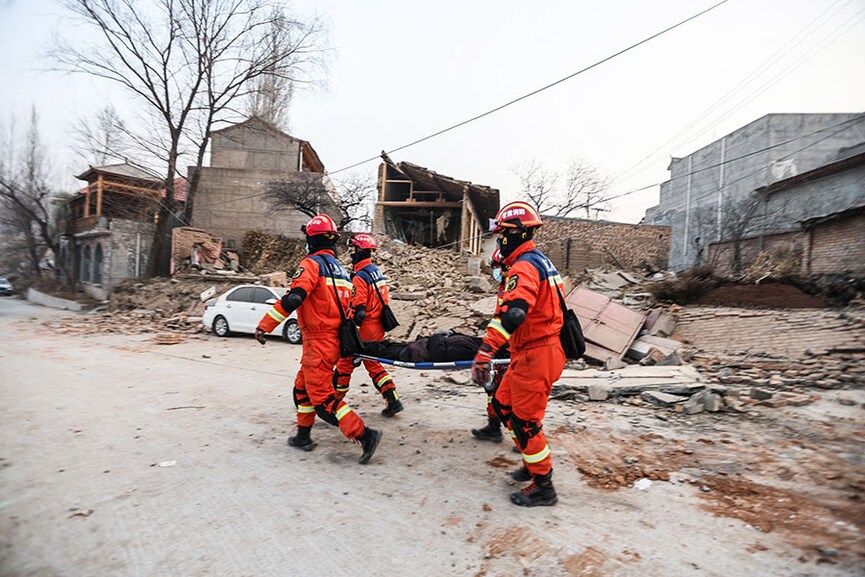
509, 103
538, 91
842, 126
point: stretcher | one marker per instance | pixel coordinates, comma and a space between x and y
490, 386
429, 365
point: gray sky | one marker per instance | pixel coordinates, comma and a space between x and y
399, 71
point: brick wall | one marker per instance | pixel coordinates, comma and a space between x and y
574, 245
721, 255
833, 247
838, 246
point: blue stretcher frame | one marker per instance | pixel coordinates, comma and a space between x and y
430, 365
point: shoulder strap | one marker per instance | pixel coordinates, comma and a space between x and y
323, 262
370, 280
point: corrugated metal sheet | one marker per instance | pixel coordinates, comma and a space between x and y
609, 326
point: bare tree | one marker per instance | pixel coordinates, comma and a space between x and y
741, 219
25, 199
103, 138
538, 184
584, 188
186, 62
312, 193
272, 92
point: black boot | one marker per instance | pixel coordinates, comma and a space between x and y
492, 432
521, 475
369, 441
394, 405
540, 492
301, 440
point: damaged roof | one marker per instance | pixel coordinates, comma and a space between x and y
484, 198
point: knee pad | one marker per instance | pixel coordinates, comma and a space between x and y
300, 397
327, 411
523, 430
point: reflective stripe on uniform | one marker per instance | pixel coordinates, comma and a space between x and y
276, 315
383, 380
342, 411
537, 457
341, 388
496, 324
306, 409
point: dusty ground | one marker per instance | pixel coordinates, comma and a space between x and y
123, 457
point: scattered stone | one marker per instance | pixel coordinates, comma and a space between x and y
661, 399
761, 394
598, 392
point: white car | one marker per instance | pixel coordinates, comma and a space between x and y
238, 310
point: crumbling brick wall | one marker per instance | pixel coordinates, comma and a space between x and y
838, 246
721, 255
576, 244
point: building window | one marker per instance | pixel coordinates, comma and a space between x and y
85, 265
97, 266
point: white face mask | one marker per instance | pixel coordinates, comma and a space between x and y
497, 274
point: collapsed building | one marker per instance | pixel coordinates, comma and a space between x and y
420, 206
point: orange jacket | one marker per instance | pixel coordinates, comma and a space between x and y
318, 315
531, 278
365, 279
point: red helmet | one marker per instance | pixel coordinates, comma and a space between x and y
517, 214
496, 259
362, 240
319, 224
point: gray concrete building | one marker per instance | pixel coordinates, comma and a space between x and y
244, 157
723, 190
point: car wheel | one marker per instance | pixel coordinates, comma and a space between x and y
291, 332
220, 326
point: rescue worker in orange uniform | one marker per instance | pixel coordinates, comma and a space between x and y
366, 307
314, 288
492, 431
530, 319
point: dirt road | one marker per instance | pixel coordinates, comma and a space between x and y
119, 456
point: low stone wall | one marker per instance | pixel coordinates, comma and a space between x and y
47, 300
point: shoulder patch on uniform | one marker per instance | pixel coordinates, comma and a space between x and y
298, 272
512, 282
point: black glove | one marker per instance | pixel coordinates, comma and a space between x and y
359, 315
260, 336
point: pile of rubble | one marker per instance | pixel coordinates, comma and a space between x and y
689, 359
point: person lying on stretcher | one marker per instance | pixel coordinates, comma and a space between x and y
443, 346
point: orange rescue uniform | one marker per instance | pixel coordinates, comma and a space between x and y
537, 358
322, 278
365, 279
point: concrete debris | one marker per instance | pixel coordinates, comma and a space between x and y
697, 359
661, 399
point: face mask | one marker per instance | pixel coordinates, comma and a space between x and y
497, 274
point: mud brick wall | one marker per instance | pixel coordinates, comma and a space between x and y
721, 255
838, 246
574, 245
833, 247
